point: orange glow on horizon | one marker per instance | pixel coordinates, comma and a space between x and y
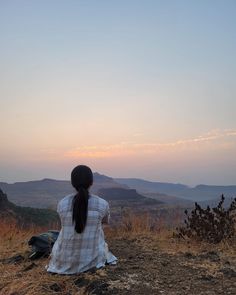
210, 141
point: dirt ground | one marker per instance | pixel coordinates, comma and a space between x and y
147, 270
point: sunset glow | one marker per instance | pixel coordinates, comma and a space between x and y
132, 88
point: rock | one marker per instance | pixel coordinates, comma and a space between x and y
92, 270
165, 263
81, 282
228, 272
227, 262
55, 287
3, 199
189, 255
97, 288
13, 260
206, 277
29, 267
211, 255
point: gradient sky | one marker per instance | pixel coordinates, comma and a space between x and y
132, 88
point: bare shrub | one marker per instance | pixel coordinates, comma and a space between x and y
212, 225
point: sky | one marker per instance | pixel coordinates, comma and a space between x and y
130, 88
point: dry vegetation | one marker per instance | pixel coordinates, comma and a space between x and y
212, 225
27, 277
149, 237
164, 238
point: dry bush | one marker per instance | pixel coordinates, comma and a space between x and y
211, 225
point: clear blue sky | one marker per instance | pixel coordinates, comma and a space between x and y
132, 88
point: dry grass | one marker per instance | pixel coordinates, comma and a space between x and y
149, 234
13, 238
37, 281
160, 236
15, 280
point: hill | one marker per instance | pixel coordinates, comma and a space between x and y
125, 195
170, 200
26, 216
124, 200
152, 187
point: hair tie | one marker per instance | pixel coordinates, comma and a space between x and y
81, 187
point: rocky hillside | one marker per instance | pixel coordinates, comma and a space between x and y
26, 216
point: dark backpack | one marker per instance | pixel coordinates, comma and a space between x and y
41, 245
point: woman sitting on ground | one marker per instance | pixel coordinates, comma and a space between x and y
80, 245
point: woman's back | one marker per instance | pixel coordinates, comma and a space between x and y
77, 252
97, 209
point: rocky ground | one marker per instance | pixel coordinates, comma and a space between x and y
147, 270
143, 268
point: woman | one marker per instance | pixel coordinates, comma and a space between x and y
81, 245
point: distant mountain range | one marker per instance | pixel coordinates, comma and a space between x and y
157, 199
199, 193
47, 192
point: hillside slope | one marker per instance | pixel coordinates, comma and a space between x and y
26, 216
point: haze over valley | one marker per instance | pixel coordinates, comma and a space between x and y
127, 193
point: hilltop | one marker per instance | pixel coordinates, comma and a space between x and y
151, 259
149, 263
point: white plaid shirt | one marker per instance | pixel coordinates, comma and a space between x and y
73, 252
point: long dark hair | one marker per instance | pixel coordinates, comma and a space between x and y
81, 179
